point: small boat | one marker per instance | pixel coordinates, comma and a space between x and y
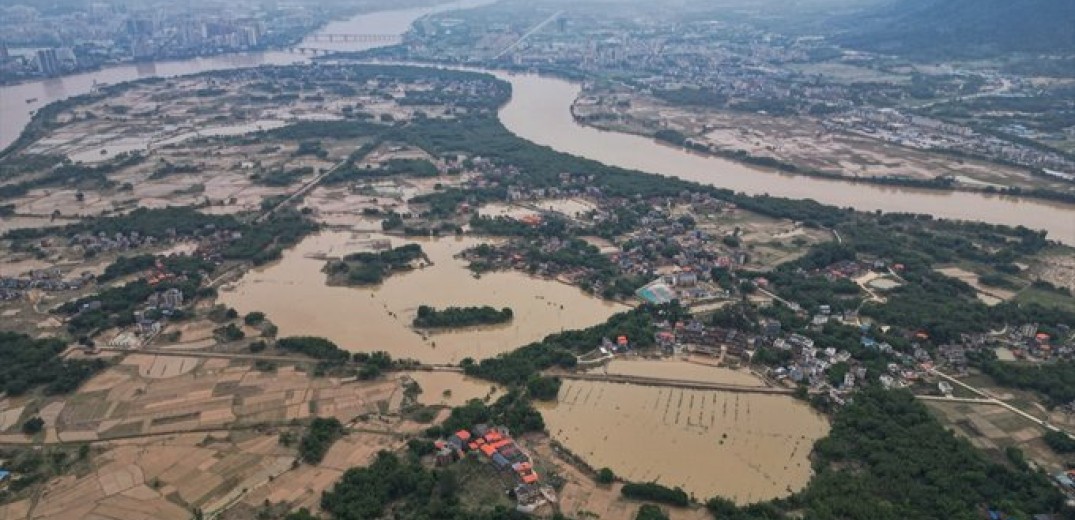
32, 100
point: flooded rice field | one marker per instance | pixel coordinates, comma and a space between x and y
294, 295
746, 447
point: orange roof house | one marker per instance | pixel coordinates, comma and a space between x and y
463, 435
488, 450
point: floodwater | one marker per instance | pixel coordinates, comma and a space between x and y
16, 107
459, 388
294, 295
681, 370
540, 111
746, 447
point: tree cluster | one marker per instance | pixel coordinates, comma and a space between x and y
319, 437
455, 317
29, 363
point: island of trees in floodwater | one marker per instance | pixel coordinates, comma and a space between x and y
372, 268
455, 317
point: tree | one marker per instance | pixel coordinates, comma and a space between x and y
254, 318
543, 388
1059, 442
605, 476
721, 507
319, 438
656, 493
33, 426
301, 514
650, 512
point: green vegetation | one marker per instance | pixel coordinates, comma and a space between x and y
115, 306
455, 317
651, 512
228, 333
888, 458
373, 364
372, 268
961, 28
605, 476
319, 437
29, 363
264, 242
282, 177
655, 492
126, 265
1054, 381
671, 137
317, 348
183, 221
391, 168
513, 410
1059, 442
690, 96
407, 488
33, 426
543, 388
254, 318
561, 349
75, 175
175, 264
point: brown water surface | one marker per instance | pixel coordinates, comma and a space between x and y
747, 447
293, 293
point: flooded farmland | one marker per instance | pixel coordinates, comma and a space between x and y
681, 370
746, 447
452, 388
293, 293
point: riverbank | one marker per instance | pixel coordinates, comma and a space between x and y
940, 183
540, 111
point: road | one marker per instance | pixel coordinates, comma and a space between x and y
302, 190
675, 383
163, 350
529, 33
989, 398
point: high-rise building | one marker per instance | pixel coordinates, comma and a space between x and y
248, 36
140, 26
47, 62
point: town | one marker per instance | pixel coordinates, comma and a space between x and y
345, 289
708, 79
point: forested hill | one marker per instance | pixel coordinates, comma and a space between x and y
962, 28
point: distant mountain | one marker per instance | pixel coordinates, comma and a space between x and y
961, 28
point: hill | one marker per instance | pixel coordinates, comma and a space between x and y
961, 28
